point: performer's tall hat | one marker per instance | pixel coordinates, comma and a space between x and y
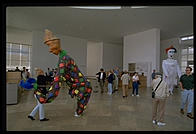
49, 36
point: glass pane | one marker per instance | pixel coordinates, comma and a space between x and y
25, 49
190, 57
184, 63
184, 57
25, 57
15, 48
7, 55
30, 49
15, 62
8, 47
15, 56
191, 66
190, 50
24, 63
7, 59
184, 51
183, 69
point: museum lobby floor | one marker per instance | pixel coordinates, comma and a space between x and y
103, 113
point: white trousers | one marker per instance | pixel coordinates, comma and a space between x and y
171, 82
41, 109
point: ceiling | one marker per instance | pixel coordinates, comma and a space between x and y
103, 25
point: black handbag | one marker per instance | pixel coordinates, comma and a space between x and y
138, 82
153, 92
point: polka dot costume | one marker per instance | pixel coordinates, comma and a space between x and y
68, 72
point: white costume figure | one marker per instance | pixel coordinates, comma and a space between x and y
171, 69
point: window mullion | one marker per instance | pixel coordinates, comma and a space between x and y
10, 54
29, 57
20, 54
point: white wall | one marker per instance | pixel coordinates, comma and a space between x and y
112, 56
18, 36
94, 57
143, 47
75, 47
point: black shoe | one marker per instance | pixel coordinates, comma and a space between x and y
44, 119
124, 96
31, 117
190, 115
181, 111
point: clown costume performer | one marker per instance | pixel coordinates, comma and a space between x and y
171, 69
68, 72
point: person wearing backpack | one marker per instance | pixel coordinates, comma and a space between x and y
161, 92
41, 87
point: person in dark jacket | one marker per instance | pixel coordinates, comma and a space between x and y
101, 79
110, 81
41, 87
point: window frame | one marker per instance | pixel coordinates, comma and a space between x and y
9, 66
187, 58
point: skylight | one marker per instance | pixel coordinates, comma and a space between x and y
97, 7
187, 38
139, 6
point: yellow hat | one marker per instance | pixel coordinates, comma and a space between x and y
49, 36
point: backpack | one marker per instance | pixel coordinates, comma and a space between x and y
113, 76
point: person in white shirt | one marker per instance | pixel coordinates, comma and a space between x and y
24, 74
135, 80
101, 79
125, 82
159, 101
171, 69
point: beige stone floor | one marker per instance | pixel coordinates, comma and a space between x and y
103, 113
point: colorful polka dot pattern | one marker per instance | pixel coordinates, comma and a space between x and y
79, 86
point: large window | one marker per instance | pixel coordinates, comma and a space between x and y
18, 55
187, 53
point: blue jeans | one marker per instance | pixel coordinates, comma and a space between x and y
109, 88
135, 87
39, 107
187, 95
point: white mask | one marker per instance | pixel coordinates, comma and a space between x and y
170, 53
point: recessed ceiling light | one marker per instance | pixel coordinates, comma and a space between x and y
97, 7
139, 6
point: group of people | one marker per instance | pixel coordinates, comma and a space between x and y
50, 74
113, 77
163, 87
25, 74
161, 90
